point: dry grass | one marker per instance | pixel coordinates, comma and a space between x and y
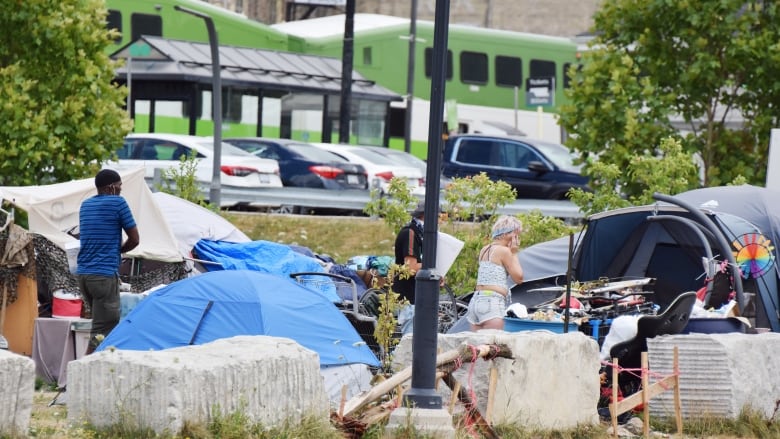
338, 237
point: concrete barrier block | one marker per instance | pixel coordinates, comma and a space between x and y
551, 383
720, 374
17, 384
270, 380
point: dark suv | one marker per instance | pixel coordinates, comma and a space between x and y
534, 168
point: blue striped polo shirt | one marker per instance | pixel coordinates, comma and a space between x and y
101, 221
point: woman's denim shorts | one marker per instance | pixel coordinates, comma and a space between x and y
486, 305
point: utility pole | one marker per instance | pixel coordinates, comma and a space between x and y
346, 72
410, 78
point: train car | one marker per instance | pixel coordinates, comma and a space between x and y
133, 18
497, 81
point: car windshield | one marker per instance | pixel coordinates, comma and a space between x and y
558, 154
227, 149
313, 153
404, 158
372, 156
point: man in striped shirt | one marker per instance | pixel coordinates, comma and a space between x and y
102, 219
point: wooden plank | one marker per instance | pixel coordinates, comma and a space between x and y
463, 354
653, 390
677, 402
491, 395
615, 407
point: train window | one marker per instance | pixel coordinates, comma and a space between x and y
367, 56
542, 69
509, 71
114, 21
473, 68
145, 24
429, 63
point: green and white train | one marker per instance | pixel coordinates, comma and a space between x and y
497, 81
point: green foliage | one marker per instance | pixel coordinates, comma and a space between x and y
182, 182
475, 198
389, 304
61, 114
395, 207
669, 171
539, 228
469, 205
698, 61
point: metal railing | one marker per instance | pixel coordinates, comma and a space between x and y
285, 198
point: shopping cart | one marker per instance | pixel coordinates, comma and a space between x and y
345, 288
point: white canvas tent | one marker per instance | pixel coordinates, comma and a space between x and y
53, 210
190, 223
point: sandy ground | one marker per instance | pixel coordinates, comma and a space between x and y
47, 420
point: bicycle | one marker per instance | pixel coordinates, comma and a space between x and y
450, 307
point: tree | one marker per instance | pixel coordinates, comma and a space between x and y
659, 68
668, 172
61, 114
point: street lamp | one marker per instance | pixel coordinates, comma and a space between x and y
422, 393
216, 98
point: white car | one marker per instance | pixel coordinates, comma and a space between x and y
158, 150
407, 159
379, 168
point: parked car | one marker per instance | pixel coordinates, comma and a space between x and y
164, 151
304, 165
380, 169
407, 159
534, 168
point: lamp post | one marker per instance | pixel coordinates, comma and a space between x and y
216, 98
422, 393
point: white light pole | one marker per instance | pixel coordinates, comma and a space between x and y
216, 98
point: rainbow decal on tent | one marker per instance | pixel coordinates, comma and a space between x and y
753, 254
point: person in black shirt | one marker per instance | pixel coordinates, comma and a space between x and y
408, 252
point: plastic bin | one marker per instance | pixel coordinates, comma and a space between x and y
512, 324
597, 329
714, 325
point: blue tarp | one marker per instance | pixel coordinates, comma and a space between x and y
266, 257
228, 303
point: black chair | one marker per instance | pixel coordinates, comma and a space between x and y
629, 353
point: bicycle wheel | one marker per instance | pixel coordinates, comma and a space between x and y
451, 309
370, 300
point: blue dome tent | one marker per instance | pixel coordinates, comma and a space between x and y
227, 303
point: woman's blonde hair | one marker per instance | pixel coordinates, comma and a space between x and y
505, 224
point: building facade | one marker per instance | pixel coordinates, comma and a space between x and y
565, 18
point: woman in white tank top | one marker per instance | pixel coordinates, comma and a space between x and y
497, 262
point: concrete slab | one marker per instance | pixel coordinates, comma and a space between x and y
271, 380
720, 374
435, 423
551, 383
17, 381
